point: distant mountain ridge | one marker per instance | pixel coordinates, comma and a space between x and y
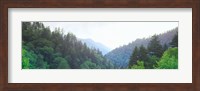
92, 44
120, 56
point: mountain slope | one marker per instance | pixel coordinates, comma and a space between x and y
92, 44
43, 48
120, 56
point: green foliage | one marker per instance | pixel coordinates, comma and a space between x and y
154, 47
142, 55
149, 64
54, 50
134, 57
25, 59
169, 59
41, 63
63, 64
40, 42
139, 65
88, 65
154, 57
120, 56
30, 60
43, 49
174, 42
47, 53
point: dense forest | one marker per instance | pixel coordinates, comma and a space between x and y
155, 56
121, 56
43, 48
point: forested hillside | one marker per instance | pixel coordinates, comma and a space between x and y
43, 48
46, 49
122, 55
155, 56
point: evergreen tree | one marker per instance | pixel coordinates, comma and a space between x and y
62, 63
44, 49
149, 64
154, 47
134, 57
142, 53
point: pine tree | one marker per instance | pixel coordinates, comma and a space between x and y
142, 53
134, 57
54, 50
154, 47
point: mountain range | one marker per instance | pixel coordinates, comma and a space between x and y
92, 44
120, 56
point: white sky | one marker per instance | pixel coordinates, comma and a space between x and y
113, 34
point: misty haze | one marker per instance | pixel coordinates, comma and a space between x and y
100, 45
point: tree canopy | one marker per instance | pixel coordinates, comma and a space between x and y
46, 49
155, 56
43, 48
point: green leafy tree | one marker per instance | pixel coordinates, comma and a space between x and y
63, 64
25, 59
29, 59
169, 59
40, 63
47, 53
149, 64
41, 42
88, 65
54, 50
139, 65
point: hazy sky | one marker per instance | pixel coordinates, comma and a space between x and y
113, 34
